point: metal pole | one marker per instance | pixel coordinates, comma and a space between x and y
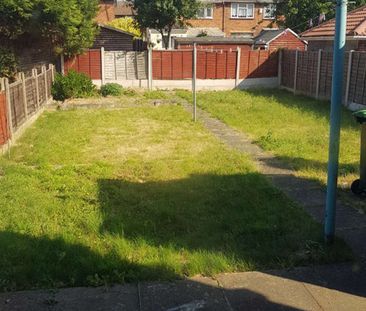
194, 71
349, 75
237, 71
335, 119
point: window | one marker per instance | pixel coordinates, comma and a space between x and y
243, 34
206, 12
269, 11
242, 10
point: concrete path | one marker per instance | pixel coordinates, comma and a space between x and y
332, 287
339, 287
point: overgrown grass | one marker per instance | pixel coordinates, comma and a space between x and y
92, 197
294, 128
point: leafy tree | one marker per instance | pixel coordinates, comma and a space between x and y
296, 14
163, 15
66, 25
127, 24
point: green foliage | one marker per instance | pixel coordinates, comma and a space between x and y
127, 24
112, 89
296, 14
66, 24
72, 85
8, 63
162, 15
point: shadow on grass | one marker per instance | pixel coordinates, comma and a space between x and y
241, 218
37, 262
40, 262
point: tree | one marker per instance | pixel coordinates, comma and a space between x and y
127, 24
163, 15
66, 25
297, 14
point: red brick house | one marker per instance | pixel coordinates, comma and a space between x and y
322, 36
106, 11
237, 18
274, 39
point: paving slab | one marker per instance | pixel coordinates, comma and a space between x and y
77, 299
195, 294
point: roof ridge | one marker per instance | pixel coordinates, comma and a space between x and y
361, 8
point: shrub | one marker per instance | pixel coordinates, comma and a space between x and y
72, 85
112, 89
8, 63
129, 92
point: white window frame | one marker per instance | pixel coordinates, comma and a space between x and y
244, 7
272, 9
205, 10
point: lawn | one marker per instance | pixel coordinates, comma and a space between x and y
294, 128
90, 197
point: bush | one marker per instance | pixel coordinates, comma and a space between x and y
72, 85
112, 89
8, 63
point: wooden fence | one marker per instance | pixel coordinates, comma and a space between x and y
22, 100
174, 64
310, 73
177, 64
123, 65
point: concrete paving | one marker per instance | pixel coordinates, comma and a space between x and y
333, 287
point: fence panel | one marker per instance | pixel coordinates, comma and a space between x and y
31, 94
307, 74
88, 63
123, 65
288, 68
4, 130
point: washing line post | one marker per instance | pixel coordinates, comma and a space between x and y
194, 77
335, 119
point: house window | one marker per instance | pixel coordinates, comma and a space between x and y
242, 10
206, 12
269, 11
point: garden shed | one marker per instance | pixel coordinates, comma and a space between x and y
113, 39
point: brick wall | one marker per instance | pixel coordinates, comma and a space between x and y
177, 65
4, 132
222, 20
88, 63
106, 12
287, 40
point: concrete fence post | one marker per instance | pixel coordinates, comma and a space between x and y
349, 75
296, 65
35, 75
24, 93
44, 72
62, 63
102, 60
320, 53
280, 56
52, 68
2, 84
150, 68
237, 71
8, 107
194, 77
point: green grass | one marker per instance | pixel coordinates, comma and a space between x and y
93, 197
294, 128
